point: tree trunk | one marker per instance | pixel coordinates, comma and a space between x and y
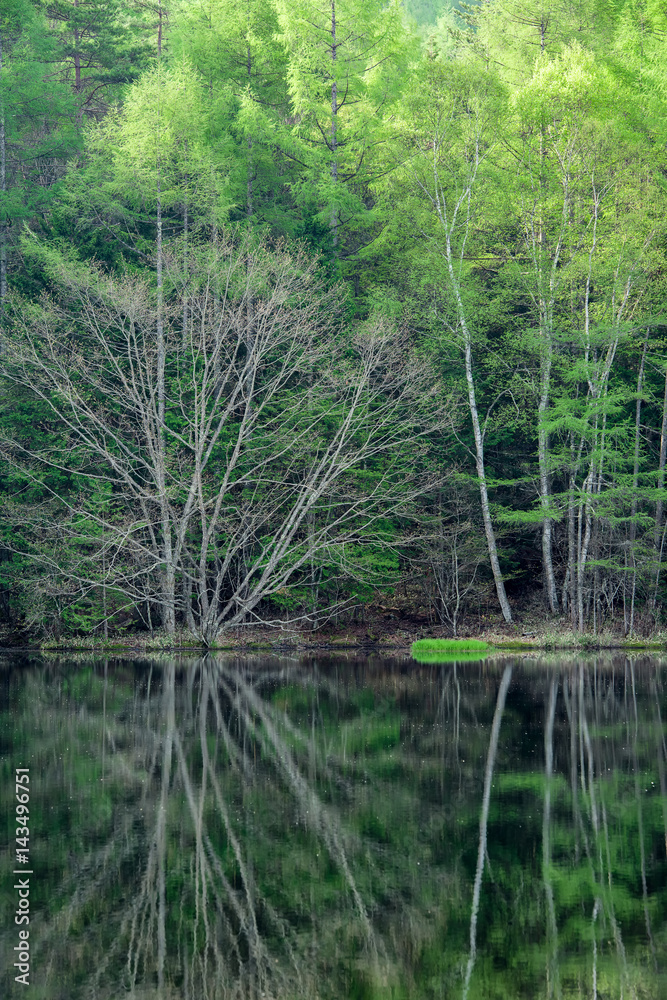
635, 483
334, 124
77, 55
168, 574
481, 475
249, 166
543, 451
571, 552
657, 532
479, 441
584, 543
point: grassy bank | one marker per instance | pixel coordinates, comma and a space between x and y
362, 638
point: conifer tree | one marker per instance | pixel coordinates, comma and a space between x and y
36, 122
233, 46
344, 60
102, 49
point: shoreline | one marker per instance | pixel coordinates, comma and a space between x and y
180, 644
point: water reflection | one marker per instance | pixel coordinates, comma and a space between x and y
339, 827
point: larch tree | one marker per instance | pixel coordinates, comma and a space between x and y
242, 66
559, 155
344, 59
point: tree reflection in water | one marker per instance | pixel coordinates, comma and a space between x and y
270, 827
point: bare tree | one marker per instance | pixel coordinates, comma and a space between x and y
453, 553
230, 463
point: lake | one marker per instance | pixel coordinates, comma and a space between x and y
334, 826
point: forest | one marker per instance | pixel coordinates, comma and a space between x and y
306, 303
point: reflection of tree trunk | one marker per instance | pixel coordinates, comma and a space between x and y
486, 798
596, 910
161, 826
618, 940
640, 820
589, 754
553, 979
600, 829
571, 708
662, 754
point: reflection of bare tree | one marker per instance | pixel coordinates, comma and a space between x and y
323, 820
198, 924
234, 928
640, 820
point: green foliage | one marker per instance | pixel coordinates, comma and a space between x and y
351, 129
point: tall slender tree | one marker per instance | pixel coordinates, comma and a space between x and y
448, 129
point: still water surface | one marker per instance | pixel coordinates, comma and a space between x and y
337, 827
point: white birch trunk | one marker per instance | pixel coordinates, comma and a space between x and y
448, 227
635, 483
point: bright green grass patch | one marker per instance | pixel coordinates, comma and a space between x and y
448, 645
